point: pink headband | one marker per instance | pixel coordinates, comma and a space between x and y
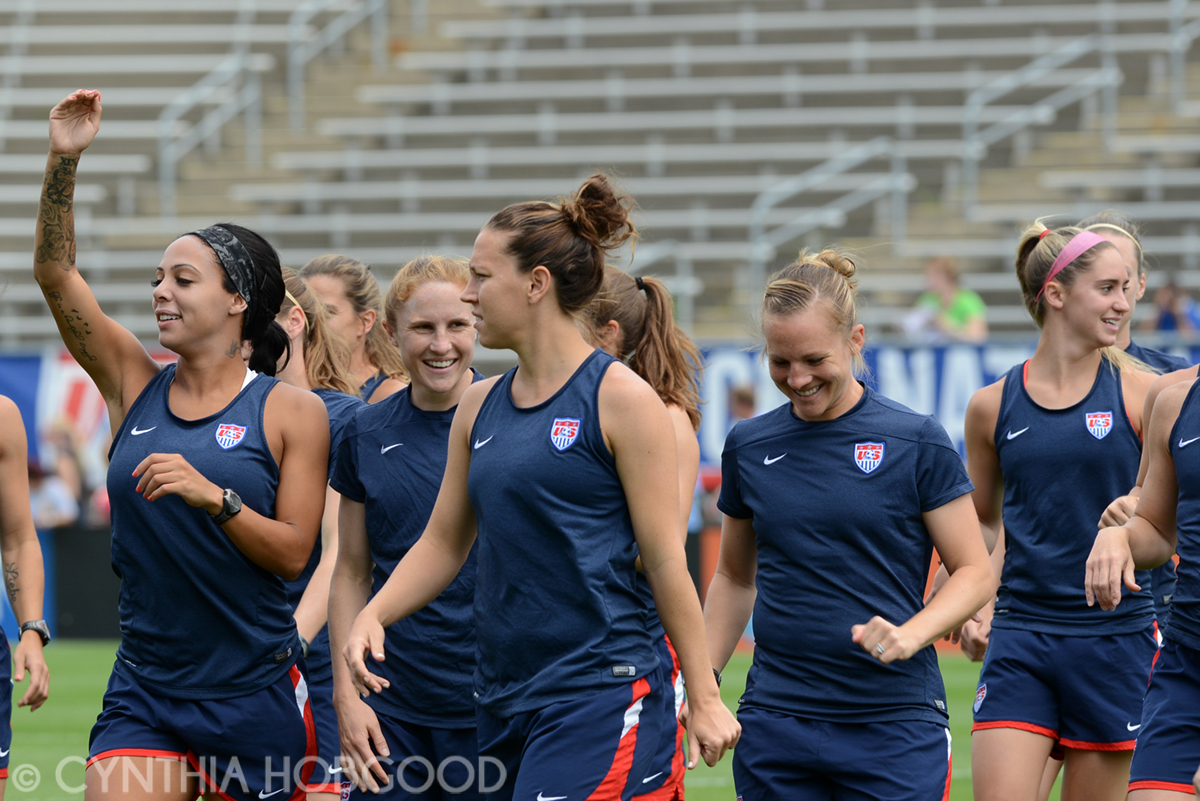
1083, 242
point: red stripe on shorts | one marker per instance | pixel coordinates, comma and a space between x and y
614, 783
1171, 786
136, 752
1080, 745
1015, 724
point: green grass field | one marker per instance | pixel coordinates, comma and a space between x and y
79, 671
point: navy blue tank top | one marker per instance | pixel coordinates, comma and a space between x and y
1162, 578
1184, 624
391, 460
370, 385
340, 407
1061, 468
837, 509
199, 620
557, 613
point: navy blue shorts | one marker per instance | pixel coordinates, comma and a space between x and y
6, 695
600, 747
1168, 743
429, 764
327, 772
664, 782
801, 759
1082, 692
256, 746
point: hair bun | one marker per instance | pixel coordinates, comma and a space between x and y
835, 260
600, 213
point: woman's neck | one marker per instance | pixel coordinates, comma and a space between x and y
1060, 359
296, 371
547, 359
360, 366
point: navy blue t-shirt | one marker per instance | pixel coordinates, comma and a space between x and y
370, 385
837, 510
391, 460
199, 620
1062, 468
557, 613
341, 408
1162, 578
1184, 624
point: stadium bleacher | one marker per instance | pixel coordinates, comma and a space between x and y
697, 105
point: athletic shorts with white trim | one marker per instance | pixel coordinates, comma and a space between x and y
429, 764
327, 772
665, 780
599, 747
258, 746
1084, 692
1168, 743
801, 759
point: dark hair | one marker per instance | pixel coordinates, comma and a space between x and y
268, 340
651, 343
570, 238
363, 292
1107, 221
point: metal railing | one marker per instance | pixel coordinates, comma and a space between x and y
897, 183
304, 45
1182, 35
235, 87
1104, 79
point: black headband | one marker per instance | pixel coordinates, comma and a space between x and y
234, 258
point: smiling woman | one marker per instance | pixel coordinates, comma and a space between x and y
216, 481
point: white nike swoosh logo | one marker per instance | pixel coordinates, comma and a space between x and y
333, 771
769, 460
1015, 434
1134, 728
479, 445
1183, 444
4, 753
540, 796
135, 431
265, 794
383, 449
652, 778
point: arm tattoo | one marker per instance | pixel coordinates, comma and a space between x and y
10, 582
235, 349
70, 318
56, 215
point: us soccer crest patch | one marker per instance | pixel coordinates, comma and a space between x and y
229, 435
868, 455
1099, 423
980, 694
564, 432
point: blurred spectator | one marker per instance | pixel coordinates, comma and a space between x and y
53, 503
1176, 310
946, 311
741, 403
58, 452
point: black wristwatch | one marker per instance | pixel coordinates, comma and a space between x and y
717, 676
40, 627
231, 504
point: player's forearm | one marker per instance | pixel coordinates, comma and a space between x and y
349, 591
727, 609
313, 608
422, 574
1147, 544
679, 608
24, 577
967, 590
54, 237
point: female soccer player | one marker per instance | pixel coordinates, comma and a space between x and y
566, 467
317, 362
21, 556
1061, 434
216, 479
390, 466
1167, 520
839, 487
632, 319
353, 304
